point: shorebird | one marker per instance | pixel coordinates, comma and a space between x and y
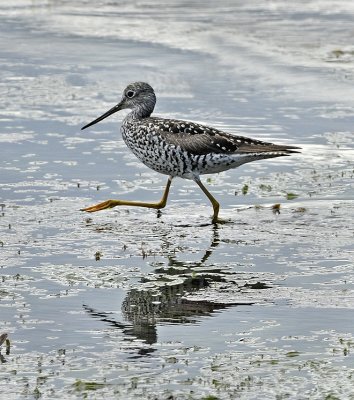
180, 148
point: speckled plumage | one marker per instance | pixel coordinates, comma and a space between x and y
187, 149
180, 148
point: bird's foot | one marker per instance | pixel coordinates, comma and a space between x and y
218, 220
100, 206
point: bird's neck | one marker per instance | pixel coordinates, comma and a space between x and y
140, 113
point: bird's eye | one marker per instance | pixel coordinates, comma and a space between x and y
130, 93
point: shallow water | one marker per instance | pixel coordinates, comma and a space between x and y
128, 303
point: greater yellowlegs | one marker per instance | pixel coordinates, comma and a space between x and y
180, 148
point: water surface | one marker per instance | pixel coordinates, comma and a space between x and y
130, 303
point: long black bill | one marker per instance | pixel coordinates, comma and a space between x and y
105, 115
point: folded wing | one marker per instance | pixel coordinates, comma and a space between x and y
199, 139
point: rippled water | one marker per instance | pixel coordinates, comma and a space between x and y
128, 303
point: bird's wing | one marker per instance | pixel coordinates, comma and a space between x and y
200, 139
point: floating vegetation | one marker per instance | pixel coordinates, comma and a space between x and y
36, 393
276, 208
291, 196
291, 354
82, 386
338, 53
265, 188
300, 210
257, 285
341, 55
245, 188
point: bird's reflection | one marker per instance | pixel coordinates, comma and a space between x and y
163, 301
131, 331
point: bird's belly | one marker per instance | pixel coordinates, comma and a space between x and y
153, 154
213, 163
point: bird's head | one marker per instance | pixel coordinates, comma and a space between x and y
138, 96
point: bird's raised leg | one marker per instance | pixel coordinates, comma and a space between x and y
213, 201
115, 203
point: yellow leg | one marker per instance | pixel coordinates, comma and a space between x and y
114, 203
213, 201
